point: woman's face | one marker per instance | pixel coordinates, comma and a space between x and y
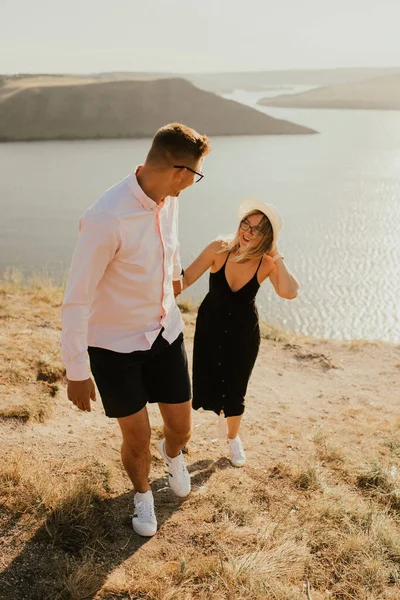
250, 232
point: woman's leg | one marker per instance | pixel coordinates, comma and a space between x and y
237, 454
233, 426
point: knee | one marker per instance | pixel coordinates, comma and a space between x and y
136, 445
181, 434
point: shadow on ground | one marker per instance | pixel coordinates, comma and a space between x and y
65, 550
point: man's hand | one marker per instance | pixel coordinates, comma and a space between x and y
81, 392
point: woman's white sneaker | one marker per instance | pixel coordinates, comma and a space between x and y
237, 454
144, 520
178, 475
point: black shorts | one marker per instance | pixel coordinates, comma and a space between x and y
126, 382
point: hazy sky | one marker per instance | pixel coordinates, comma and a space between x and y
186, 35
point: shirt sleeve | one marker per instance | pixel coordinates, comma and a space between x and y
177, 270
99, 239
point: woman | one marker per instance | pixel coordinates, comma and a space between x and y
227, 336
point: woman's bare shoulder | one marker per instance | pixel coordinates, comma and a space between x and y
218, 249
218, 245
266, 267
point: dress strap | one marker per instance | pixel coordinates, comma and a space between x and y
227, 256
259, 264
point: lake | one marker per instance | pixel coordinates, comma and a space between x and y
338, 192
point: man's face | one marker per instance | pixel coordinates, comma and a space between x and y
185, 176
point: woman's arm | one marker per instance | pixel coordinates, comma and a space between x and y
284, 282
204, 261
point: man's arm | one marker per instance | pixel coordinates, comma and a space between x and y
98, 241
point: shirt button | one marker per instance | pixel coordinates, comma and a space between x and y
223, 380
223, 395
226, 331
219, 364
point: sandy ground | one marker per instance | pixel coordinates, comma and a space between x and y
346, 390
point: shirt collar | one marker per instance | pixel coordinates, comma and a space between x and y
137, 191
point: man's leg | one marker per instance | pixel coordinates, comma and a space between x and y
177, 430
177, 426
135, 449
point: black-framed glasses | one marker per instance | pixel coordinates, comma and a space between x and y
199, 176
253, 229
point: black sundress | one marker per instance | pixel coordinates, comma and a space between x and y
226, 344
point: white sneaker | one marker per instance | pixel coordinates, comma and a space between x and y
178, 475
237, 454
144, 520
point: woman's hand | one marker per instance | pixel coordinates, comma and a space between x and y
273, 252
178, 287
270, 256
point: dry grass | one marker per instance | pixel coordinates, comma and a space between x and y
59, 513
318, 525
30, 365
310, 478
222, 543
36, 411
327, 451
381, 482
355, 547
187, 305
40, 288
273, 333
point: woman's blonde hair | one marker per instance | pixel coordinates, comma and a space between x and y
232, 243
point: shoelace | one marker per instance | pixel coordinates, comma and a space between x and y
177, 466
144, 509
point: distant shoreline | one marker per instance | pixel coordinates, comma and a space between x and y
380, 93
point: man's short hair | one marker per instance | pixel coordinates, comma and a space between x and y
176, 143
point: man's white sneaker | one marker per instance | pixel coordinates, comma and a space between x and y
237, 454
144, 520
178, 475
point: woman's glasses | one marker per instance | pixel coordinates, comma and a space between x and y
253, 229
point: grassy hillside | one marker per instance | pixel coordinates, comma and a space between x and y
314, 514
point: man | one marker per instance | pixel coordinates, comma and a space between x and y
120, 307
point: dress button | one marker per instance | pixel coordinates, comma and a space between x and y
223, 395
219, 364
226, 331
223, 380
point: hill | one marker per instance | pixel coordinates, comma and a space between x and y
49, 108
381, 93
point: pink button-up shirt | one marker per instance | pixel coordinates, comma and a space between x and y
119, 293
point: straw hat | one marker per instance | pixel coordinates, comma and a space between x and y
249, 204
